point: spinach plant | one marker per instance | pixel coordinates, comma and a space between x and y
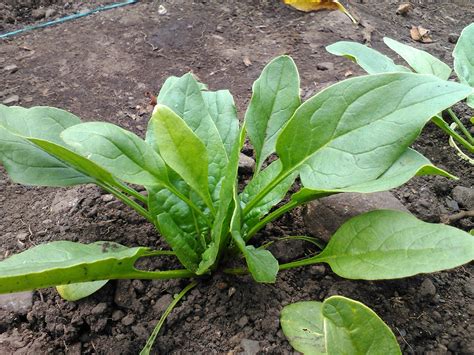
422, 62
353, 136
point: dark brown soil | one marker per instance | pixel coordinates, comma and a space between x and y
99, 68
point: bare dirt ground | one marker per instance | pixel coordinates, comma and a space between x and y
99, 67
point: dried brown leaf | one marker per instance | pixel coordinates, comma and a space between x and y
404, 9
317, 5
420, 34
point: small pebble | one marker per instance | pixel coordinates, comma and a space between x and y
13, 99
10, 68
107, 198
128, 320
427, 288
99, 309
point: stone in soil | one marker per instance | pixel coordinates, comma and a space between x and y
464, 196
427, 288
13, 99
19, 303
246, 164
250, 347
324, 216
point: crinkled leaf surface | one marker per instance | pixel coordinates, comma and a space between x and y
336, 326
257, 184
422, 62
372, 61
182, 150
356, 129
61, 263
389, 244
185, 245
410, 164
464, 59
276, 96
24, 161
74, 292
303, 326
184, 96
221, 107
220, 232
119, 151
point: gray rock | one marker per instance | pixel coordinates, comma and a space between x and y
246, 164
464, 196
19, 303
99, 309
323, 217
250, 347
427, 288
66, 200
10, 68
38, 14
13, 99
107, 198
128, 320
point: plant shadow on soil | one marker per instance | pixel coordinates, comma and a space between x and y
99, 68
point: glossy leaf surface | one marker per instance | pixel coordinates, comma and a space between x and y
274, 100
422, 62
374, 245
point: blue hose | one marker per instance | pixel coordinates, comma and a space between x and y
67, 18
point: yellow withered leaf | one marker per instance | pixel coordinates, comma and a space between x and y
316, 5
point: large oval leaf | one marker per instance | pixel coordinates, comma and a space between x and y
422, 62
353, 328
372, 61
355, 130
303, 325
63, 263
389, 244
184, 96
336, 326
40, 122
119, 151
221, 107
25, 162
28, 164
276, 96
182, 150
410, 164
464, 59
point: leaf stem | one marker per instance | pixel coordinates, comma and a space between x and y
437, 120
132, 192
149, 344
271, 217
282, 176
291, 265
125, 199
461, 126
